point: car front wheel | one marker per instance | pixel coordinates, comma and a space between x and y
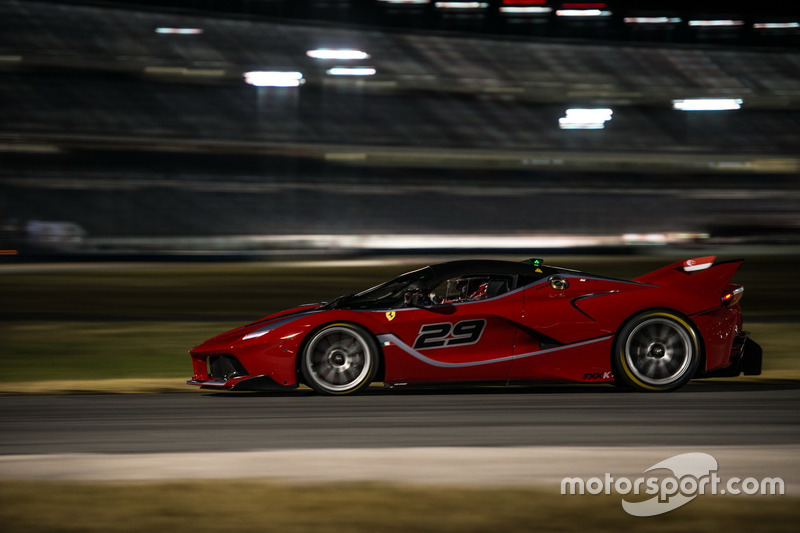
656, 351
339, 359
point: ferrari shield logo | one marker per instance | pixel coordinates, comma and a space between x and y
390, 315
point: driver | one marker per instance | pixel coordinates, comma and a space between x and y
468, 290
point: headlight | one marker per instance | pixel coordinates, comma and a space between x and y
273, 325
257, 333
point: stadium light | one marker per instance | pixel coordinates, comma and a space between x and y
273, 78
776, 25
461, 5
180, 31
652, 20
351, 71
582, 13
340, 53
525, 10
707, 104
585, 119
721, 23
583, 9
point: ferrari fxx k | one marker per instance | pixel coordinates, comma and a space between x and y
479, 321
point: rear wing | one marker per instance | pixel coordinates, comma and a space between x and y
700, 269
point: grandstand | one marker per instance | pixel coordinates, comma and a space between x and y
133, 122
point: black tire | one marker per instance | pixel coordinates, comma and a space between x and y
656, 350
339, 358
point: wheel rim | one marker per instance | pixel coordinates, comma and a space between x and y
338, 358
659, 351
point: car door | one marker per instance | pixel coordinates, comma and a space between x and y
558, 340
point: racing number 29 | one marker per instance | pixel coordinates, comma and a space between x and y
447, 334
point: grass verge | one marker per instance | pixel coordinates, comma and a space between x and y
227, 505
89, 351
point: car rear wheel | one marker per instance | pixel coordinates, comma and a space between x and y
656, 351
339, 359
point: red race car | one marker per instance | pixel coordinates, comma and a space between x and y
497, 321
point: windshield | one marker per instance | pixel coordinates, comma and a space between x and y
386, 295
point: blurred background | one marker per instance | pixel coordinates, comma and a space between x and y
278, 128
172, 169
